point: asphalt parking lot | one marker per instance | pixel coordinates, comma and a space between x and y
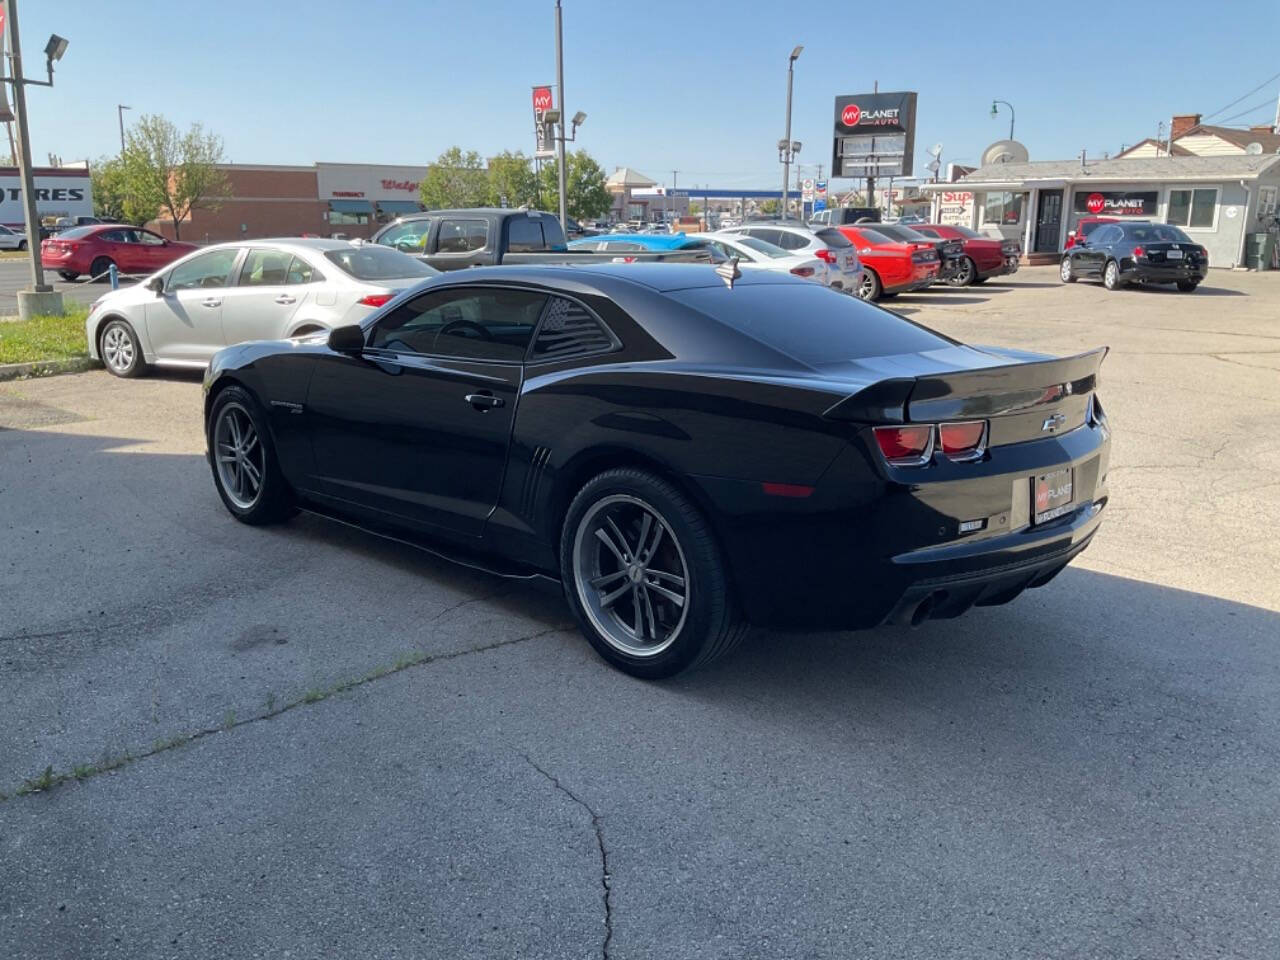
324, 744
15, 275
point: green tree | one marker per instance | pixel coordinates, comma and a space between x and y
585, 195
695, 208
455, 180
167, 170
769, 207
112, 199
511, 176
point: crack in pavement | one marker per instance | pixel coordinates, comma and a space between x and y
606, 879
49, 779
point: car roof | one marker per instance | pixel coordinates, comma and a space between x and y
661, 277
778, 225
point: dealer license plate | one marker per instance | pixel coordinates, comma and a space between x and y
1051, 494
1173, 254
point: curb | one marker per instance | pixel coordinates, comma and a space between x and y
46, 368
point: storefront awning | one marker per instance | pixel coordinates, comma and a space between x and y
399, 206
351, 206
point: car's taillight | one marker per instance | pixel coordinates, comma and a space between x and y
802, 271
966, 440
1138, 252
376, 299
906, 446
826, 256
1204, 254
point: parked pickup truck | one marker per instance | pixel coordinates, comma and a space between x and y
453, 239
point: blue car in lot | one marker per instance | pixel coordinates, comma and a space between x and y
624, 243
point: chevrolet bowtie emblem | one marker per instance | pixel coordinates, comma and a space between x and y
1054, 422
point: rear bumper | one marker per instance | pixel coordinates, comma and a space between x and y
1146, 273
1005, 267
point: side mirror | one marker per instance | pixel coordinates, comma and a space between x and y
348, 339
156, 285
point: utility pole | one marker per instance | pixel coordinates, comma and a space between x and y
1275, 127
120, 109
41, 298
675, 203
788, 153
564, 116
871, 180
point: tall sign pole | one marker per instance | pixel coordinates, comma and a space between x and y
564, 116
24, 152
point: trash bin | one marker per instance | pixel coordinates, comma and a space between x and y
1261, 251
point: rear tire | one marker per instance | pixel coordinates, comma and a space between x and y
1111, 276
246, 471
68, 275
1066, 272
644, 576
965, 275
869, 287
22, 244
1186, 286
99, 267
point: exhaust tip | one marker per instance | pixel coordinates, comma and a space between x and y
923, 611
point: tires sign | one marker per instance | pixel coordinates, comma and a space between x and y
1116, 203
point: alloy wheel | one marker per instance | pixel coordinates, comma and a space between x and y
117, 348
1065, 270
867, 286
1112, 276
631, 576
239, 456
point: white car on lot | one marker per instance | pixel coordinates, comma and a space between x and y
844, 270
754, 254
11, 239
256, 290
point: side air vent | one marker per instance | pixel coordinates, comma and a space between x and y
569, 330
533, 480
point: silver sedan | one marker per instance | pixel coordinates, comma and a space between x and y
231, 292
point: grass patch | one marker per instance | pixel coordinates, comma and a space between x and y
44, 338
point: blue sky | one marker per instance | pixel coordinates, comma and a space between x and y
698, 87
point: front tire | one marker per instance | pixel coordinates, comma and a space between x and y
22, 245
246, 471
1111, 276
1066, 272
966, 274
1186, 286
120, 351
644, 576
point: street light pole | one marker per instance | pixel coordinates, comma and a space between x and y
120, 109
786, 162
994, 111
24, 155
564, 115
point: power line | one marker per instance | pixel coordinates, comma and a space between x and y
1258, 106
1238, 99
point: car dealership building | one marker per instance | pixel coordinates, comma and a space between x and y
1220, 201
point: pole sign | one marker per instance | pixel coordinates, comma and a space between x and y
1116, 203
874, 135
543, 132
819, 195
806, 190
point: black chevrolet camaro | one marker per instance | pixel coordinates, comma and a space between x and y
1138, 252
688, 452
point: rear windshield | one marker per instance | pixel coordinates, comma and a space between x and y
76, 233
875, 236
370, 262
833, 237
1091, 225
1155, 231
971, 234
811, 323
905, 234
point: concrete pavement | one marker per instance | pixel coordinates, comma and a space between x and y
347, 747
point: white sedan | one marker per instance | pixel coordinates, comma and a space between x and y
231, 292
754, 254
11, 239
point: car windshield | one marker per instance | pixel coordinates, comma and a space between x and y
761, 246
837, 328
833, 237
370, 262
75, 233
1156, 231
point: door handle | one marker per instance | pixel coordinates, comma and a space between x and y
285, 298
484, 402
211, 302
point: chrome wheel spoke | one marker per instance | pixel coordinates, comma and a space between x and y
671, 595
608, 599
648, 609
254, 475
613, 547
604, 578
652, 550
638, 623
622, 541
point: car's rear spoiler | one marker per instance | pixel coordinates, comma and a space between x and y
985, 392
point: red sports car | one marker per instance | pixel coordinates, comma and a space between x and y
93, 249
1084, 227
985, 257
890, 267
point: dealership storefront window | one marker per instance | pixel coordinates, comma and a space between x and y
1003, 208
350, 211
1192, 208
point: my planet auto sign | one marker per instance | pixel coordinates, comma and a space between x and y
1116, 203
874, 134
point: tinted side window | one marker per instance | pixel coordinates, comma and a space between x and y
265, 268
765, 234
833, 237
570, 330
524, 235
408, 237
791, 241
302, 272
472, 324
462, 236
1088, 227
212, 269
1107, 234
614, 246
